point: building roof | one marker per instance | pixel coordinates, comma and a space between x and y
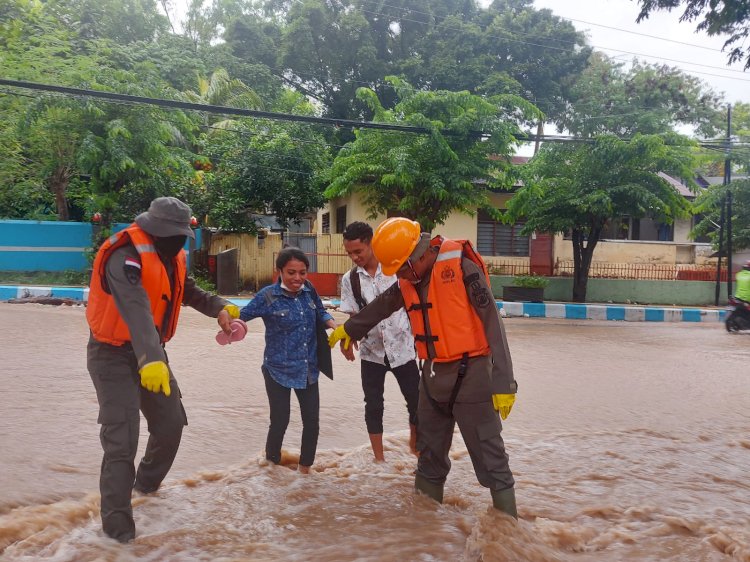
681, 188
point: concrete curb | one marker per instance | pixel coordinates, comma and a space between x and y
610, 312
568, 311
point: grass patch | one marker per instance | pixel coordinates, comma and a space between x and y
44, 277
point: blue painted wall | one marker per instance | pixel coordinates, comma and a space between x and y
49, 245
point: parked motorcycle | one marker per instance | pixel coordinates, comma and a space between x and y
738, 315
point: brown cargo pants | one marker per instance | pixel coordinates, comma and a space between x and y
114, 372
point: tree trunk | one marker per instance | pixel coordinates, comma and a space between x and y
58, 183
583, 252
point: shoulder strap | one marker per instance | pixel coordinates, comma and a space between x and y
312, 290
357, 288
468, 251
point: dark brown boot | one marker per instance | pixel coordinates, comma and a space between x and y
505, 501
424, 486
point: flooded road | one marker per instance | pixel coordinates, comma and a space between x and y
627, 440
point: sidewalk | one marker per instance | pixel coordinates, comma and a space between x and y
592, 311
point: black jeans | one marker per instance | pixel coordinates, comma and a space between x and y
373, 385
309, 405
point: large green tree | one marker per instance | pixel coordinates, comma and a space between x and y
576, 188
645, 98
511, 47
725, 17
121, 21
327, 50
40, 133
264, 167
709, 205
428, 176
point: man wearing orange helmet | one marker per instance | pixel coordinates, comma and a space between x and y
467, 374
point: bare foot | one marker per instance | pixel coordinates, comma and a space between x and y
303, 469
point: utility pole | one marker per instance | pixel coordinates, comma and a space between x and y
726, 215
727, 181
717, 294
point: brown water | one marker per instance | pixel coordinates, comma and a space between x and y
629, 441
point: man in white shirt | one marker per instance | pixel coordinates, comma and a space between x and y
387, 347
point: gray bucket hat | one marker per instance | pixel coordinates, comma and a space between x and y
167, 216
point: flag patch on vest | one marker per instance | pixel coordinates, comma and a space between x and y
132, 270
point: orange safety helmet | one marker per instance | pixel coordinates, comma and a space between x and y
394, 241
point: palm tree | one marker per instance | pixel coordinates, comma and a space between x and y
221, 90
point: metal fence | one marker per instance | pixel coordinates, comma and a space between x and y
502, 267
644, 271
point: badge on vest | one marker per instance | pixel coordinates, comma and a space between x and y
448, 274
132, 270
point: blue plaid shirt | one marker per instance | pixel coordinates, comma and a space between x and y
291, 355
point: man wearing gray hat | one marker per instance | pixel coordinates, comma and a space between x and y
138, 284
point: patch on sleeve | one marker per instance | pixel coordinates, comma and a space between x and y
132, 270
480, 294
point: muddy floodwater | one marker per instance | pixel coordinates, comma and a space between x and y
629, 441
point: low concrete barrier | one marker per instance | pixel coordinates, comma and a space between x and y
570, 311
626, 313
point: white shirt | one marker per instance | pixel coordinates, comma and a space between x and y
392, 337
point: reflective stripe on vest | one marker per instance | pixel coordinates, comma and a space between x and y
104, 320
448, 319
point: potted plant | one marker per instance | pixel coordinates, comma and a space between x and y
528, 288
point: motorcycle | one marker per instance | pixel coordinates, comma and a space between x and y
738, 315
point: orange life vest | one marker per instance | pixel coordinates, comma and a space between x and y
455, 329
104, 320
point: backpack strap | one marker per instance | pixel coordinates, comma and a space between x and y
357, 288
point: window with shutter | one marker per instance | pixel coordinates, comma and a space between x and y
341, 219
495, 238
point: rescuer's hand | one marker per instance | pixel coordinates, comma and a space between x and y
225, 321
503, 403
155, 377
339, 334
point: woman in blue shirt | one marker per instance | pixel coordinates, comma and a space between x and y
290, 310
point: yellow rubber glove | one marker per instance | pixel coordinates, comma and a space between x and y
233, 310
339, 333
155, 377
503, 403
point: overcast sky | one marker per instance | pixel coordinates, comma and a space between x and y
695, 48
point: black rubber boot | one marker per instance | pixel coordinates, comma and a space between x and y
505, 501
424, 486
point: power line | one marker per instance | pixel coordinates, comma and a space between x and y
224, 110
642, 34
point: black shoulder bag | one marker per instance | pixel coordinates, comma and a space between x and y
325, 363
